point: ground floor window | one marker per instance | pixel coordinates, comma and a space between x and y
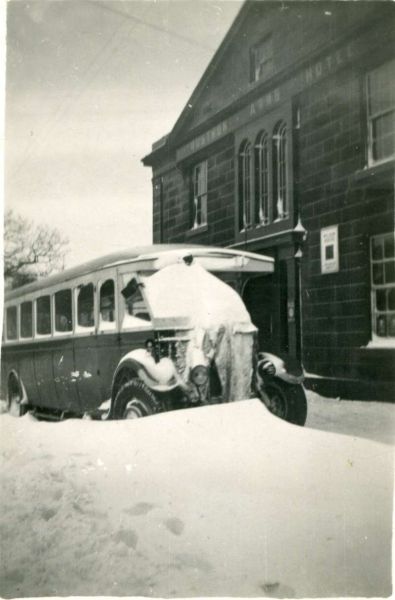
382, 263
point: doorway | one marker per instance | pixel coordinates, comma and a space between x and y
266, 300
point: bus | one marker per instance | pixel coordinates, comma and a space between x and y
139, 332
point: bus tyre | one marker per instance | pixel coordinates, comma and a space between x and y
15, 406
285, 400
135, 400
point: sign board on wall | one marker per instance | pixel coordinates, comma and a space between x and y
329, 249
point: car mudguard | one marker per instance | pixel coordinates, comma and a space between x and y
286, 368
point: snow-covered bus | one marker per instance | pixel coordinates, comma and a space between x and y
139, 332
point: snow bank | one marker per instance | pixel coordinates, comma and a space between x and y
222, 500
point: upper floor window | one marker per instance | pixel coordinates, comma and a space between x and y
381, 112
261, 60
280, 187
382, 262
199, 207
245, 199
262, 179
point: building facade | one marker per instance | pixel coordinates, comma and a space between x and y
287, 148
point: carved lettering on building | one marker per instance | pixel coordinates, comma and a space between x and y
326, 65
264, 102
210, 136
271, 99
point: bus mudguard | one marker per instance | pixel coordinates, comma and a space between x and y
159, 376
14, 379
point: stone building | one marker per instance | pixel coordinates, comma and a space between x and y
287, 148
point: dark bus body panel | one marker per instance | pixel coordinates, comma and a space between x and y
63, 365
130, 340
73, 374
43, 356
108, 357
87, 371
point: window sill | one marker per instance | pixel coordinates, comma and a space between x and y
376, 343
260, 229
196, 230
371, 172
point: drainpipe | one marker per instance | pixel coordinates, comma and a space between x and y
157, 184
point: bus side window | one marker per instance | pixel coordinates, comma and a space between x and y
43, 307
85, 306
107, 305
63, 312
27, 319
135, 310
11, 323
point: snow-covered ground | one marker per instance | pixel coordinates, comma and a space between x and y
371, 420
222, 500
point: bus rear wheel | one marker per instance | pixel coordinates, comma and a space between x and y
15, 406
135, 400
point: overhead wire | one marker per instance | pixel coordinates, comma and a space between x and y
89, 74
172, 33
65, 105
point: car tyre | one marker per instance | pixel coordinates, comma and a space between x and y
286, 401
134, 400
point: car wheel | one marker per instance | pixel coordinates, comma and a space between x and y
135, 400
286, 401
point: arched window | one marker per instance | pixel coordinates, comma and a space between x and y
245, 200
280, 192
262, 179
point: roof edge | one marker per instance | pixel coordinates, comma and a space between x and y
162, 143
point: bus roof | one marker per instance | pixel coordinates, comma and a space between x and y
153, 251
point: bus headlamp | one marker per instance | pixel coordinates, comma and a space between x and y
199, 375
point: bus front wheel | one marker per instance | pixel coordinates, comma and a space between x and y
135, 400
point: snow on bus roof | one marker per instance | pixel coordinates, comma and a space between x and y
149, 252
192, 293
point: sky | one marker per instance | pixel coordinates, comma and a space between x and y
90, 85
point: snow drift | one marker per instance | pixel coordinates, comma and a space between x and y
222, 500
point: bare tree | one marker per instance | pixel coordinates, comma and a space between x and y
30, 251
